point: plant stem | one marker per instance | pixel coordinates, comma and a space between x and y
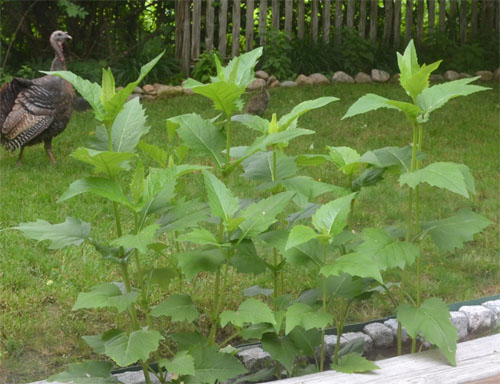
228, 142
324, 308
275, 278
215, 315
178, 250
340, 328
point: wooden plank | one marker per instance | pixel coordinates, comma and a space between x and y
262, 21
196, 34
452, 19
373, 20
314, 20
386, 36
249, 25
463, 21
186, 37
275, 10
397, 24
473, 18
339, 17
431, 10
289, 19
477, 360
222, 28
362, 18
300, 19
326, 20
420, 22
209, 25
409, 20
235, 48
442, 16
349, 17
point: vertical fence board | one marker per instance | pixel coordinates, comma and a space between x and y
222, 28
209, 25
397, 23
314, 21
489, 20
463, 21
262, 21
288, 18
362, 18
275, 10
442, 16
409, 20
195, 41
420, 22
349, 18
373, 20
326, 21
431, 10
387, 21
235, 48
300, 19
249, 25
452, 19
186, 41
339, 17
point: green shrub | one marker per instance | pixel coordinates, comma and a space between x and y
205, 67
276, 57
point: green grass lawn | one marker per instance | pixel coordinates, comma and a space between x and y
38, 331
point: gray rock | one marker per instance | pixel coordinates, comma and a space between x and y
254, 359
149, 89
164, 91
342, 77
288, 83
271, 80
136, 377
393, 325
480, 318
256, 85
380, 76
451, 75
494, 307
349, 336
464, 75
382, 335
262, 75
436, 78
318, 78
461, 323
138, 90
485, 75
303, 80
274, 84
362, 77
133, 96
496, 75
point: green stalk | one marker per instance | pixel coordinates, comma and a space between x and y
215, 314
340, 328
228, 142
324, 308
275, 277
178, 250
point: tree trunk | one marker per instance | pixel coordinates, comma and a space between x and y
431, 9
326, 21
235, 49
349, 19
339, 16
397, 23
288, 19
420, 22
263, 21
452, 19
362, 19
223, 28
276, 14
300, 19
314, 21
387, 22
249, 25
373, 20
409, 20
463, 21
195, 42
442, 16
209, 32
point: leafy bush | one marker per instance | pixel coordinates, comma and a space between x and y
89, 69
276, 57
205, 67
307, 58
355, 53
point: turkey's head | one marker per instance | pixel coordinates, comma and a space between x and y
57, 38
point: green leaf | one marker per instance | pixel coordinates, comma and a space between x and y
264, 374
127, 348
259, 216
345, 159
251, 311
109, 163
108, 86
139, 241
304, 160
306, 254
281, 349
300, 234
256, 331
354, 363
87, 372
193, 262
200, 135
257, 290
356, 264
306, 341
253, 122
438, 95
179, 307
129, 126
454, 231
306, 189
159, 190
432, 318
71, 232
259, 167
98, 186
302, 315
155, 152
199, 236
389, 157
222, 201
246, 260
223, 94
282, 137
181, 364
137, 184
367, 103
95, 342
106, 295
331, 218
286, 120
99, 139
211, 366
345, 286
368, 178
451, 176
184, 214
416, 82
408, 62
241, 68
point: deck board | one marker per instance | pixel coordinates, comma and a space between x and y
478, 361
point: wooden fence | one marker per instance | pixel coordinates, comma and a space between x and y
390, 22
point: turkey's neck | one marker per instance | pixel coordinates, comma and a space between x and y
59, 63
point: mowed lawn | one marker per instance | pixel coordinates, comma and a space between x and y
39, 333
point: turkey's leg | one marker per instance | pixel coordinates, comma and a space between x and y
48, 148
20, 158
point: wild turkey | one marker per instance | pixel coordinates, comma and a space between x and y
32, 111
258, 103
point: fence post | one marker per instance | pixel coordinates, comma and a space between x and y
249, 25
195, 41
409, 20
397, 24
463, 21
431, 10
209, 26
387, 22
362, 19
289, 19
349, 18
262, 21
373, 20
473, 19
442, 16
314, 21
222, 28
420, 22
275, 10
300, 19
235, 50
326, 21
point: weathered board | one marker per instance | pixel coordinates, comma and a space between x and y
478, 361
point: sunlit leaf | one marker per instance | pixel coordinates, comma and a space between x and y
302, 315
106, 295
222, 201
354, 363
181, 364
178, 307
98, 186
139, 241
251, 311
331, 218
127, 348
86, 372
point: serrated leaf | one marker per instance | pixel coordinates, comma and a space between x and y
256, 331
306, 189
241, 68
345, 159
193, 262
106, 295
253, 122
390, 156
298, 235
286, 120
306, 341
331, 218
71, 232
188, 340
281, 349
304, 160
108, 86
137, 183
99, 186
127, 348
354, 363
454, 231
259, 167
246, 260
417, 81
129, 126
451, 176
86, 372
346, 286
181, 364
222, 201
432, 318
369, 177
222, 93
109, 163
367, 103
182, 215
355, 264
155, 152
179, 307
251, 311
302, 315
199, 236
306, 254
353, 346
139, 241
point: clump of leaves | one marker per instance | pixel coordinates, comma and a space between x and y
206, 66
